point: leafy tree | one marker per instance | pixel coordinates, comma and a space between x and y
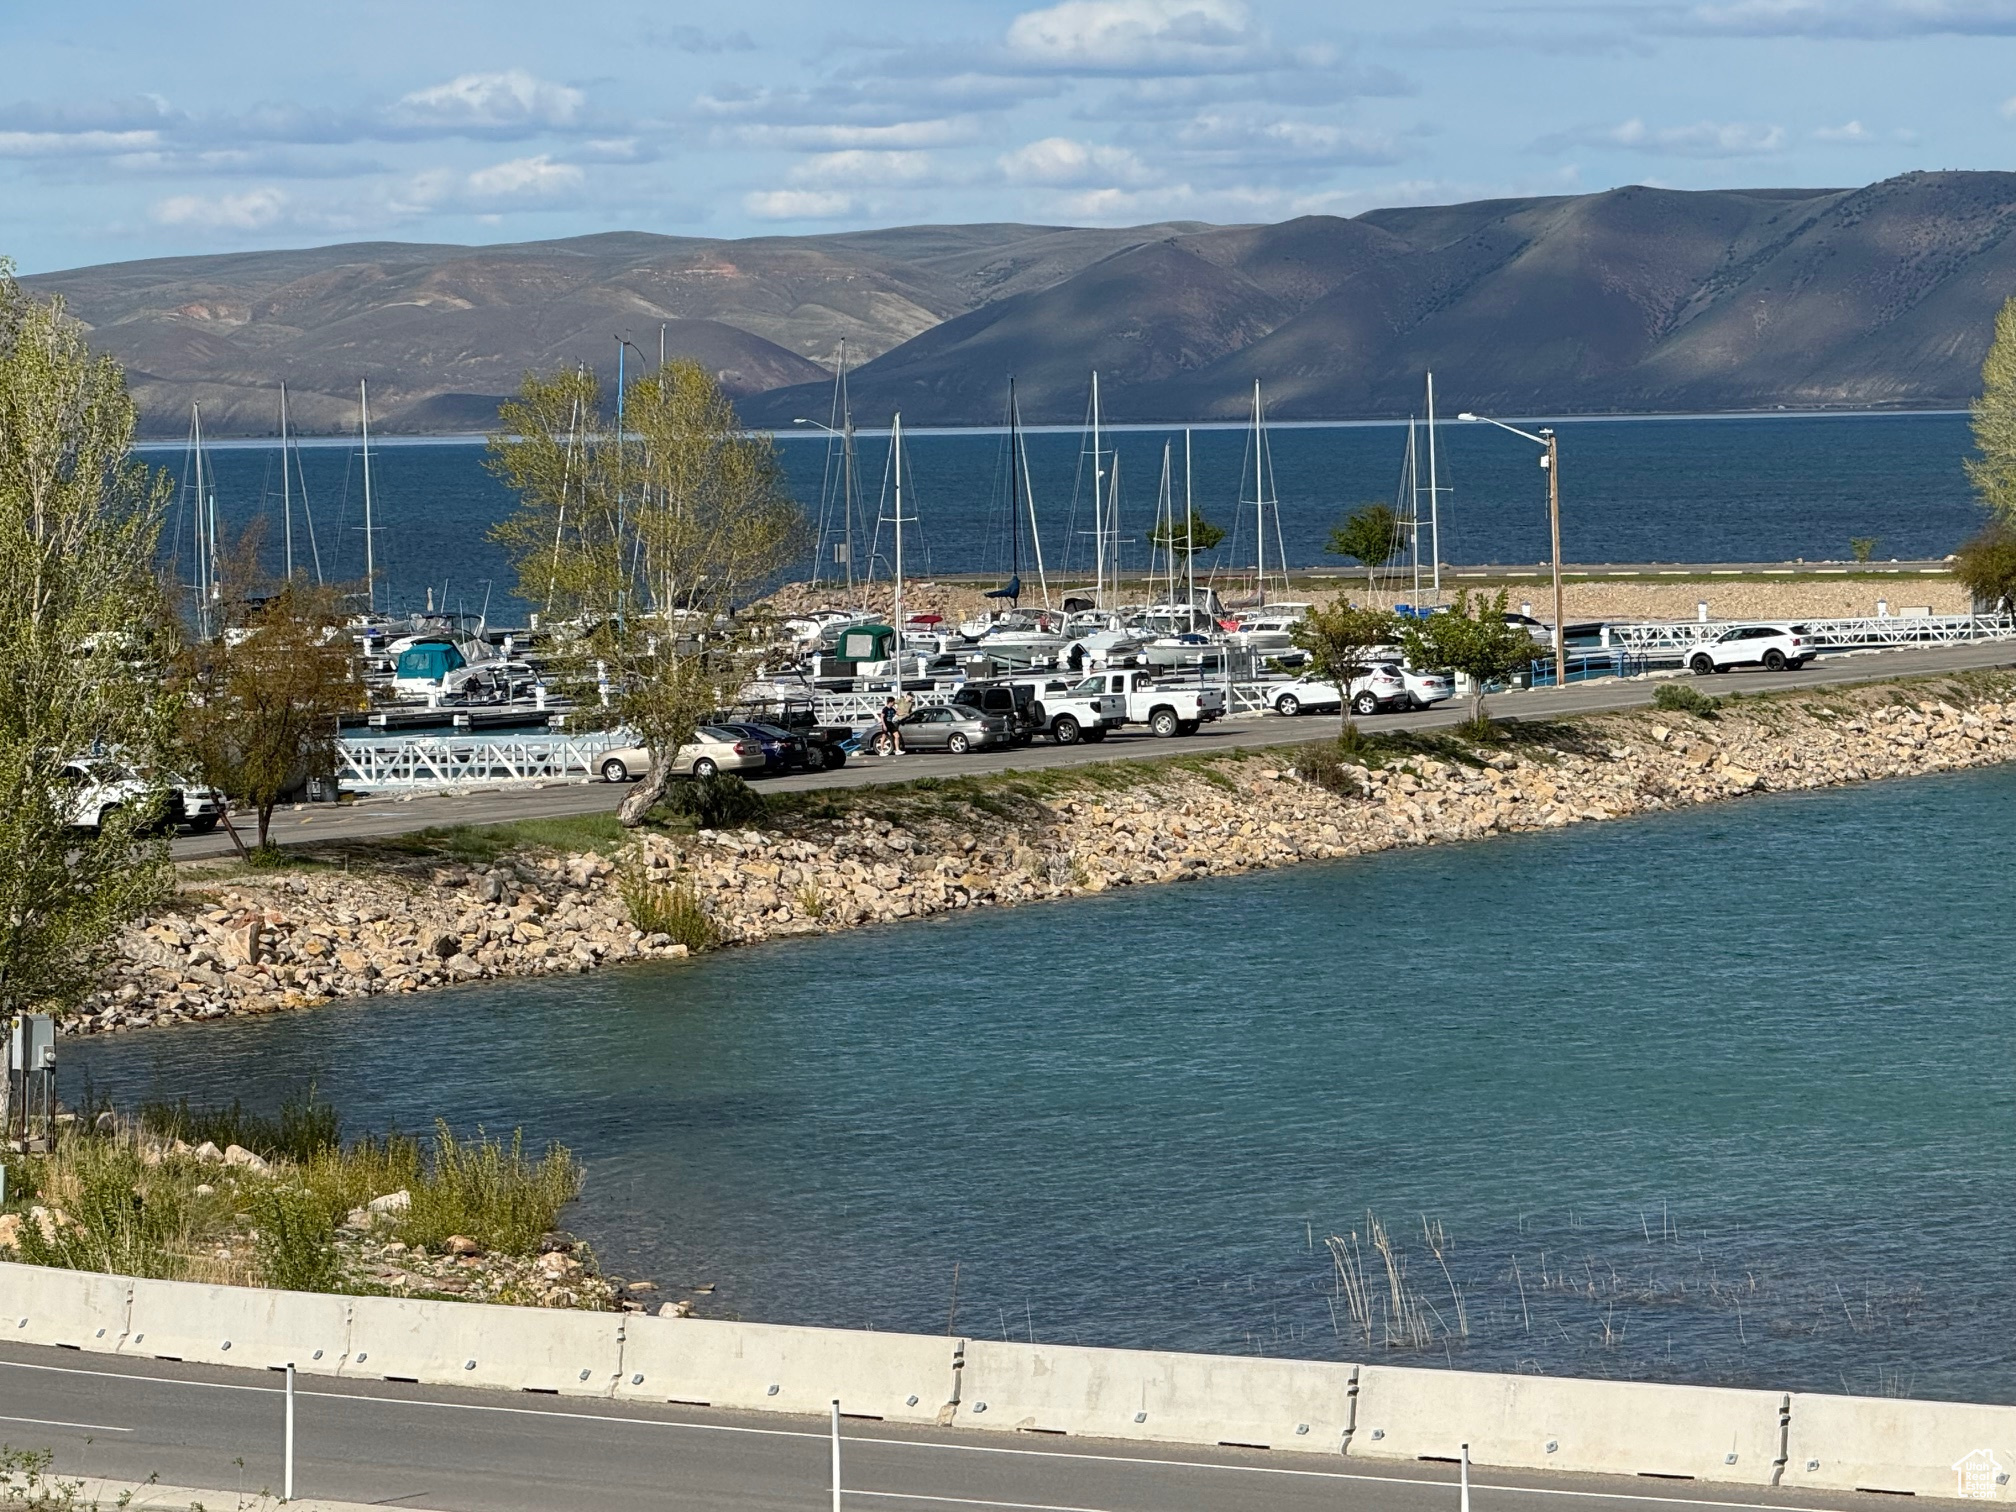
1986, 566
81, 615
1340, 640
645, 545
1862, 547
264, 698
1472, 638
1369, 535
1994, 471
1184, 538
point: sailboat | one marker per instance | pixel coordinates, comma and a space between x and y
291, 472
839, 478
1266, 504
200, 503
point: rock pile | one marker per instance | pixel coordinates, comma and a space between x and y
258, 947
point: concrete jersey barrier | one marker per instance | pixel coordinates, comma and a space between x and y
1551, 1423
75, 1309
238, 1325
1374, 1412
905, 1378
1952, 1449
562, 1351
1142, 1394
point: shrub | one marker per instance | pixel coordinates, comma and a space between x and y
27, 1480
117, 1215
667, 908
296, 1242
304, 1128
490, 1192
1679, 698
723, 801
1327, 765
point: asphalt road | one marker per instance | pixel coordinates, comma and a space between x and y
469, 1451
379, 817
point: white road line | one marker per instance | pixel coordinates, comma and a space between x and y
58, 1423
926, 1444
967, 1501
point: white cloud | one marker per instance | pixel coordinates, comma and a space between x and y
856, 166
510, 100
1250, 140
1122, 36
1062, 160
2009, 107
1858, 20
1851, 134
525, 178
797, 204
37, 144
1701, 139
254, 210
898, 136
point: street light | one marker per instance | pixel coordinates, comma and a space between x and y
1551, 461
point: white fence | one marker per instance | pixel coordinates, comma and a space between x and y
1874, 632
396, 763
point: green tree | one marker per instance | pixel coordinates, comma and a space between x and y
1472, 638
1986, 566
1369, 535
81, 624
1994, 472
261, 719
1340, 640
1183, 539
646, 545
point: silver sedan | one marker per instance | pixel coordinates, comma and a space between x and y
948, 727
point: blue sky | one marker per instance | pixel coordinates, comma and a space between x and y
133, 130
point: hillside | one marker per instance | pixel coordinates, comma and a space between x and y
1632, 300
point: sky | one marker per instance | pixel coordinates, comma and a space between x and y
132, 130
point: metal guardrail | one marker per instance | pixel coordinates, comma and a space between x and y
862, 708
413, 762
1869, 633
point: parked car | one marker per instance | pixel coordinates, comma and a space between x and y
1424, 689
712, 750
957, 728
1773, 647
101, 787
1380, 690
782, 750
1013, 702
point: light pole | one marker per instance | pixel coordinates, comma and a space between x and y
1550, 460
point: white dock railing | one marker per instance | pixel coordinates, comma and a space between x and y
1873, 632
400, 762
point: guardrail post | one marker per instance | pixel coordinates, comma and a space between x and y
836, 1454
1464, 1472
287, 1468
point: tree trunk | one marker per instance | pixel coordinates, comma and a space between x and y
265, 822
645, 796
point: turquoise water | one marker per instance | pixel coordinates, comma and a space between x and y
1686, 490
1733, 1083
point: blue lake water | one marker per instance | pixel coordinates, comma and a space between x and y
1717, 1096
1715, 489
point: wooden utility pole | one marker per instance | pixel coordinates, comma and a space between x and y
1552, 462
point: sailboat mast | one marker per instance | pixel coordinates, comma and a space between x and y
1434, 496
1166, 521
896, 445
370, 551
1098, 506
1414, 505
1259, 507
198, 542
1189, 526
286, 485
847, 469
1014, 481
1029, 493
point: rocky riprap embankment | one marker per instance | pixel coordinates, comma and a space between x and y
261, 945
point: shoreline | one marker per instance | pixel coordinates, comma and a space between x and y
411, 919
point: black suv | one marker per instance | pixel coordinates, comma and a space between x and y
1010, 700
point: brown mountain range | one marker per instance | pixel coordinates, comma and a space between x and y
1633, 300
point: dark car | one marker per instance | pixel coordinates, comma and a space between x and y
826, 746
783, 751
1012, 703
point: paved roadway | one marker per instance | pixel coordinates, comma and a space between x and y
378, 817
471, 1451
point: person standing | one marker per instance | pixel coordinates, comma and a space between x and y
889, 728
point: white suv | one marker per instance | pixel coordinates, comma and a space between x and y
1773, 647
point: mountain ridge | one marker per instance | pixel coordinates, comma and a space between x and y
1632, 300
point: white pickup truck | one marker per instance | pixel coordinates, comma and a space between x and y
1065, 712
1166, 708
